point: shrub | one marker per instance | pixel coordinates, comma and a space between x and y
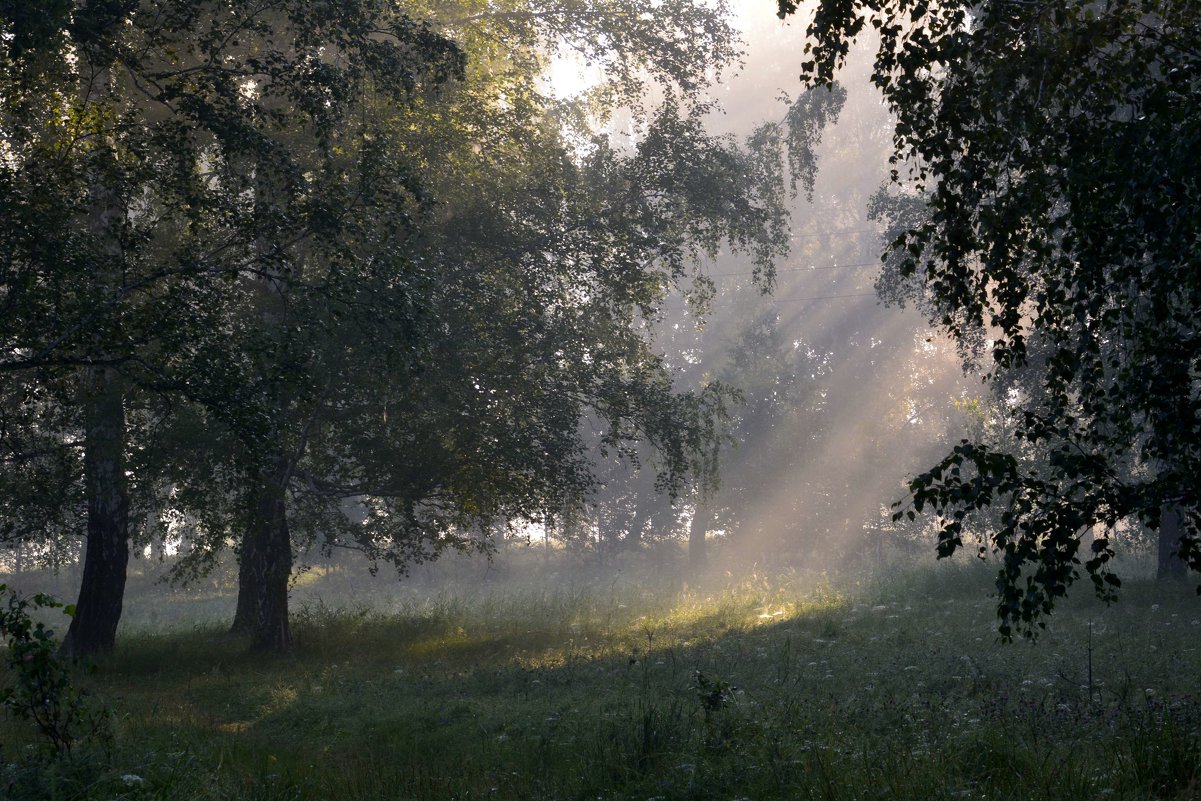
42, 690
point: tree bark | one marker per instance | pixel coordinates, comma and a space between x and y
93, 629
702, 519
265, 566
1169, 565
106, 555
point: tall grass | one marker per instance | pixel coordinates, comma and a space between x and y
648, 686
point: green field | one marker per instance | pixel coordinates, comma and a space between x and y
642, 687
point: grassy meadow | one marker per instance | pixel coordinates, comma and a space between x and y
570, 686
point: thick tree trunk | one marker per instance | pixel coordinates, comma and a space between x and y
702, 519
106, 555
265, 566
265, 561
1169, 565
106, 551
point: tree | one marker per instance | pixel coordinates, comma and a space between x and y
1056, 150
628, 510
310, 280
284, 276
147, 178
538, 267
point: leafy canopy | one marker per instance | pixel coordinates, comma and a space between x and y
365, 253
1057, 150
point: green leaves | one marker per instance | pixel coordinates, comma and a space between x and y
1060, 238
43, 692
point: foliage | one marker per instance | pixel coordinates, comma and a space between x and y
782, 409
740, 192
535, 276
713, 694
142, 266
354, 277
43, 691
1056, 150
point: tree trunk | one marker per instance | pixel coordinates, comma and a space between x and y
570, 530
644, 510
633, 538
702, 518
265, 566
632, 524
106, 556
1169, 565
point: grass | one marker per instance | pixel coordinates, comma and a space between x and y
788, 687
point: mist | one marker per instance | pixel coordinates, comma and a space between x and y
843, 397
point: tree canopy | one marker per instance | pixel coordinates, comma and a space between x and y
304, 274
1054, 148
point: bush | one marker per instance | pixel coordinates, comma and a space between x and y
42, 690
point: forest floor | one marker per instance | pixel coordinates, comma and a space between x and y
783, 687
